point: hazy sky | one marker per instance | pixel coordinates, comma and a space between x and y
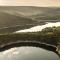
30, 2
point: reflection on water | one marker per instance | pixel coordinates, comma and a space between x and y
28, 53
40, 27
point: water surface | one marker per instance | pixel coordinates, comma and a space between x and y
28, 53
40, 27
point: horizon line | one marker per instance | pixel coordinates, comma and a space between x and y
26, 6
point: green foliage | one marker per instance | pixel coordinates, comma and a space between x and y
50, 16
49, 35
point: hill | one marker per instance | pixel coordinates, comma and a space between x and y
11, 16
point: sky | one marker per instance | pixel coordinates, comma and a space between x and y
44, 3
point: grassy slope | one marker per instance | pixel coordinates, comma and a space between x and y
14, 22
12, 16
36, 13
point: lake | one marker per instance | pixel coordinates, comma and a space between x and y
28, 53
34, 53
40, 27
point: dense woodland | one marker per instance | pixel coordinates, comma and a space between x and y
50, 35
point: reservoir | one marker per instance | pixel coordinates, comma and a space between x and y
40, 27
28, 53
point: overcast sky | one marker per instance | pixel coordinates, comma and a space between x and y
30, 2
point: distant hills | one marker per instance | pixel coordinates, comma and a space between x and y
7, 20
26, 15
13, 15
